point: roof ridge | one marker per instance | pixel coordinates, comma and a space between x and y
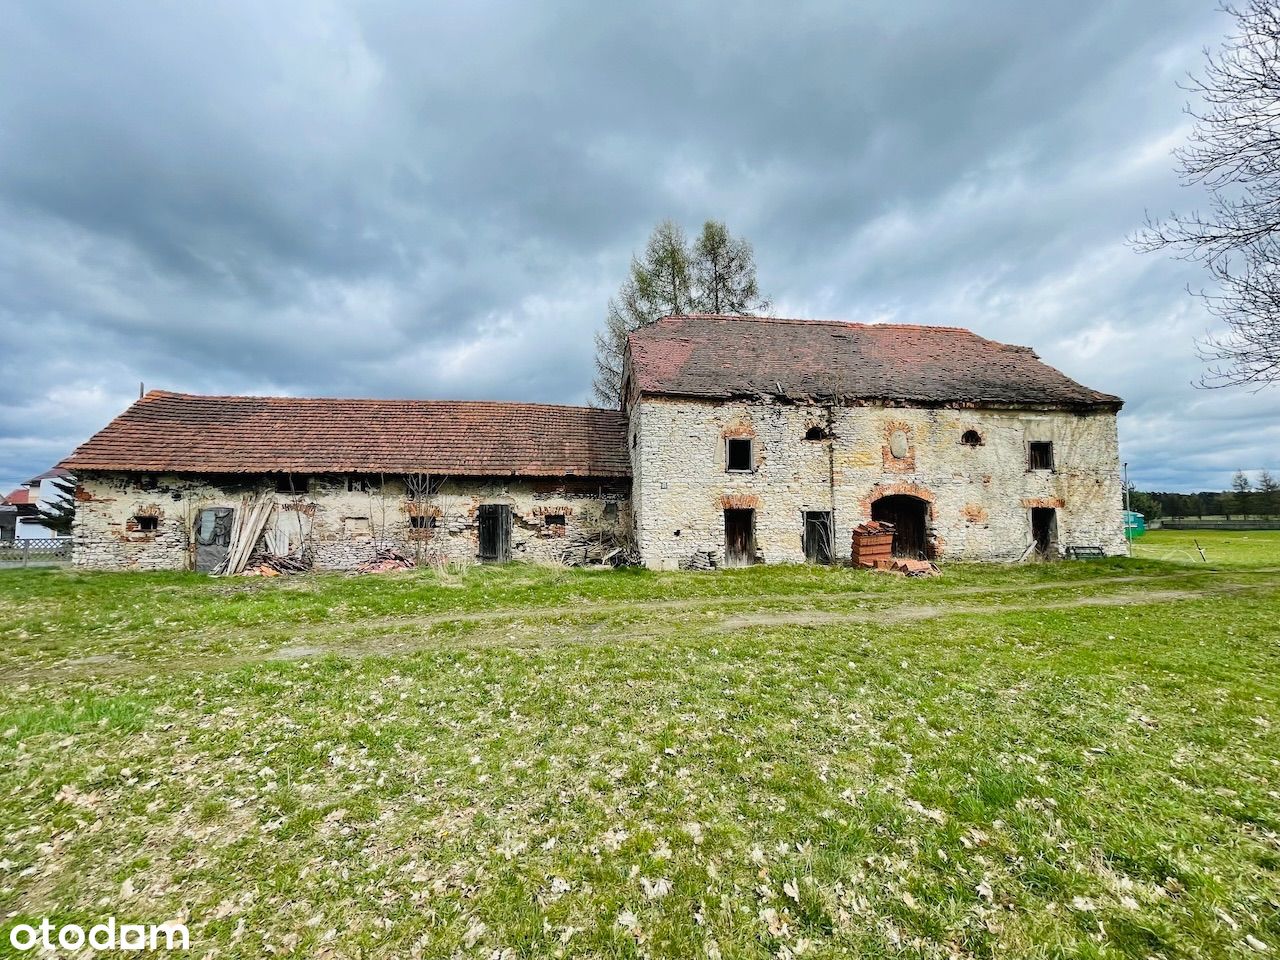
177, 395
749, 318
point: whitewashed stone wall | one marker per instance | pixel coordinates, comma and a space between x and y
341, 527
981, 497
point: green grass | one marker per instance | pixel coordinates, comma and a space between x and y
1233, 548
1065, 760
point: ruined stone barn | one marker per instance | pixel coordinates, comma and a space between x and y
767, 440
162, 484
743, 440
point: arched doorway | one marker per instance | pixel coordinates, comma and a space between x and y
909, 516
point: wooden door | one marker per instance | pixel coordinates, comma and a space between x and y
495, 532
739, 538
817, 536
1044, 529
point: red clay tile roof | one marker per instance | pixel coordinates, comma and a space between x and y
722, 357
18, 498
184, 433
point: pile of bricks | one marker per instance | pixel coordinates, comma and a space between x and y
872, 543
873, 547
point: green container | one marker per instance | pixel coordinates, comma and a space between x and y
1135, 524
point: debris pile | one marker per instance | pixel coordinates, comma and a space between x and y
873, 547
270, 565
699, 560
385, 561
912, 568
600, 549
246, 529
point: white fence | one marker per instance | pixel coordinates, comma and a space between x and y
24, 552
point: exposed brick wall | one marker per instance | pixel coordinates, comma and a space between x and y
978, 496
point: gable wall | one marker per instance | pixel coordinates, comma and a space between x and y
981, 496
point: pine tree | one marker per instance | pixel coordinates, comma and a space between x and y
724, 273
717, 274
61, 511
658, 285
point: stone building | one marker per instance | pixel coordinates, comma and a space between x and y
743, 440
765, 440
161, 485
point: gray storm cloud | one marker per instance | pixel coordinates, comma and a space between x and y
382, 200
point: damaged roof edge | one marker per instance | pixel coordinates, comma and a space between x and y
1105, 403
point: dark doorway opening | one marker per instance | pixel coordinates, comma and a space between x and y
213, 537
495, 532
1044, 529
909, 516
817, 536
739, 538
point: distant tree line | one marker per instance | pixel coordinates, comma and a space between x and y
1243, 499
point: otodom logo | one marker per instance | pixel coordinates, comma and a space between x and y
108, 935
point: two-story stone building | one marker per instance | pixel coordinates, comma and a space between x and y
765, 440
742, 440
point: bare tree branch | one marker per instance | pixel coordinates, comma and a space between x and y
1234, 153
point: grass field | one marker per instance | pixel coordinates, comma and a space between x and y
1224, 548
1075, 759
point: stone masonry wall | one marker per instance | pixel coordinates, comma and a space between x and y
341, 522
980, 496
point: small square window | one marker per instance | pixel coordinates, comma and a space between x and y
553, 520
738, 454
422, 523
359, 484
289, 483
147, 524
1040, 455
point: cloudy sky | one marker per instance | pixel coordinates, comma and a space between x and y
376, 199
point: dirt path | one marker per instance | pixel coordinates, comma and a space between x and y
317, 631
911, 614
392, 637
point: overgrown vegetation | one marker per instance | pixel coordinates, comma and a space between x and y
1073, 759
